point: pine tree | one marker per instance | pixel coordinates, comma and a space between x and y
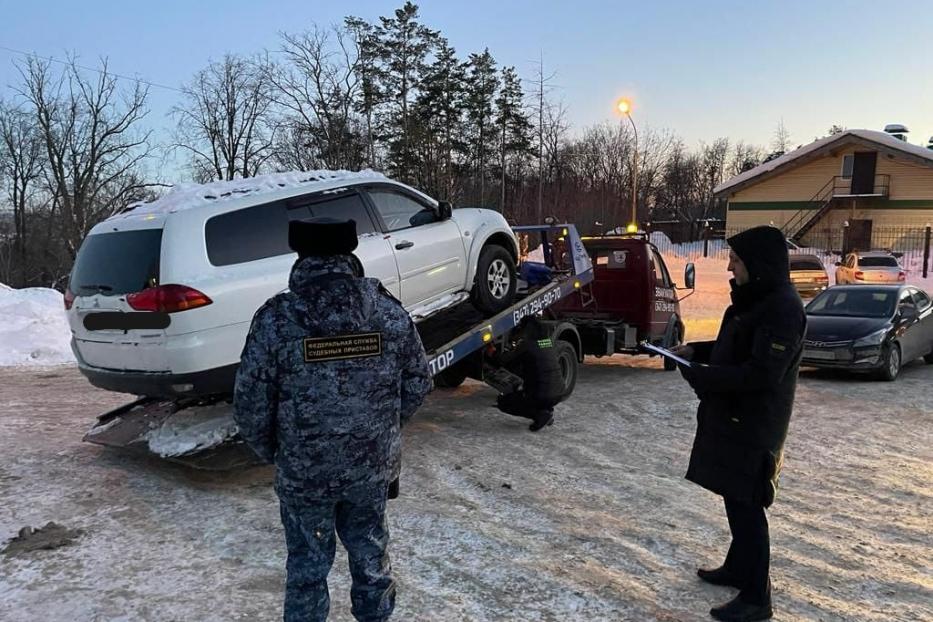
482, 82
402, 45
440, 107
514, 127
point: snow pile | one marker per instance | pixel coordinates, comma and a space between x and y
34, 330
183, 196
193, 430
425, 311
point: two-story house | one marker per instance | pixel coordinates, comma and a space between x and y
862, 179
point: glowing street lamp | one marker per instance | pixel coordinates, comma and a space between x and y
624, 106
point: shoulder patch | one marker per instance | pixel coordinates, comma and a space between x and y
342, 347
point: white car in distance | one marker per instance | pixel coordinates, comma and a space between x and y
161, 295
873, 267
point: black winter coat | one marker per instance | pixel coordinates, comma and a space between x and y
747, 380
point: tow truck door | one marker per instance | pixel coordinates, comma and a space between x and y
662, 294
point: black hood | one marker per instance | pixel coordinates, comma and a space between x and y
764, 252
842, 328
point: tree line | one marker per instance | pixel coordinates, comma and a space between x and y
392, 95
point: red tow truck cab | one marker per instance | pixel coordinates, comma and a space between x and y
632, 298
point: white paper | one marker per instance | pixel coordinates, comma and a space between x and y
665, 353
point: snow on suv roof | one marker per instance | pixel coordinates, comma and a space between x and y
188, 195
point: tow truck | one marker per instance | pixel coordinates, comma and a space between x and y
459, 342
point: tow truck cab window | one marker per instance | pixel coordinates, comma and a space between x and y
661, 275
611, 258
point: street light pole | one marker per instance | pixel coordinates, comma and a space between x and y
634, 172
624, 106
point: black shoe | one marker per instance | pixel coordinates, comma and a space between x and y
737, 610
719, 576
542, 420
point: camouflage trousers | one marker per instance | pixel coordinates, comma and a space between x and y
310, 537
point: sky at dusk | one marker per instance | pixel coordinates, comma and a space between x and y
700, 69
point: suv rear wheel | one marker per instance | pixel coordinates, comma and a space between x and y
495, 283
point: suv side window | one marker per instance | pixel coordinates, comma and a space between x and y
247, 234
400, 212
341, 207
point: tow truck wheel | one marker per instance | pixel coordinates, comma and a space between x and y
450, 378
494, 289
670, 365
567, 357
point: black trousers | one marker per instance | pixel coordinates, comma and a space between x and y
749, 554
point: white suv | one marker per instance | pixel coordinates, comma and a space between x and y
162, 294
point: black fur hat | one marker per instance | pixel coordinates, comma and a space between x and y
322, 237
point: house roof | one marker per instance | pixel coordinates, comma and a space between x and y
868, 138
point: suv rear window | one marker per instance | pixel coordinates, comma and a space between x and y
805, 264
877, 262
115, 263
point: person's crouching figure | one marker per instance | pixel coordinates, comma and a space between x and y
542, 381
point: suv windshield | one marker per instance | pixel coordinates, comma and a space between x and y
849, 303
877, 262
117, 263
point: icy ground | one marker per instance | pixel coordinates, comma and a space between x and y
589, 520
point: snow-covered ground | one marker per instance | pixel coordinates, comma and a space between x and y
589, 520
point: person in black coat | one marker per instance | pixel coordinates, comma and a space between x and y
745, 381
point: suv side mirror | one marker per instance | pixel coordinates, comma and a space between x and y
690, 276
444, 210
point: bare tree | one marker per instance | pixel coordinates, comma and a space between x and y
781, 141
225, 121
92, 146
318, 86
21, 162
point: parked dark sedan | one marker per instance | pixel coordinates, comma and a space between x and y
876, 328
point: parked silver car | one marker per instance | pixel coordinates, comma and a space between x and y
874, 267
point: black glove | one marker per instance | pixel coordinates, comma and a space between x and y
392, 493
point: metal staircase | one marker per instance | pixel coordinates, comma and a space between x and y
825, 200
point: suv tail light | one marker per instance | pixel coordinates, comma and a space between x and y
901, 276
822, 279
69, 299
168, 299
860, 275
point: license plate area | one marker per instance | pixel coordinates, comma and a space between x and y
819, 355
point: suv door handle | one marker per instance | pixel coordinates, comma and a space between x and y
403, 245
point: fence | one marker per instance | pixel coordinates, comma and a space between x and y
911, 245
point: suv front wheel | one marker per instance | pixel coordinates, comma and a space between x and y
495, 283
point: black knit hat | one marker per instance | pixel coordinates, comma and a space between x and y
322, 237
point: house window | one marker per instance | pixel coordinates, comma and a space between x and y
847, 163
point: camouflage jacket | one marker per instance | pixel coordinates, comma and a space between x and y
330, 371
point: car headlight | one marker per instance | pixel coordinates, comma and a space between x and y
873, 339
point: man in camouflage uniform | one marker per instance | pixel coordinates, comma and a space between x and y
330, 372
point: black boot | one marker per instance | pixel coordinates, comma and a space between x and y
542, 418
719, 576
738, 610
